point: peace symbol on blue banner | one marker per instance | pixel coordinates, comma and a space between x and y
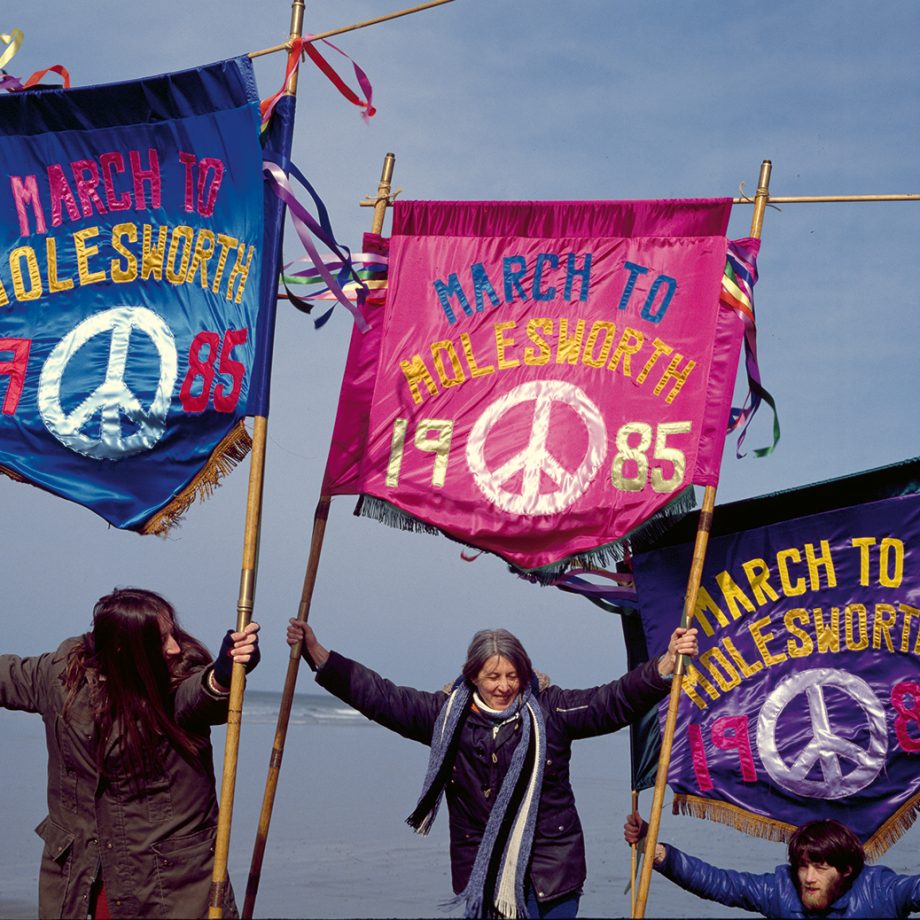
131, 238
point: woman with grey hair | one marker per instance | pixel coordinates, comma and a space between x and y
501, 739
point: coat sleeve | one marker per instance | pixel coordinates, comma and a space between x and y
905, 893
195, 707
24, 682
605, 709
734, 889
412, 713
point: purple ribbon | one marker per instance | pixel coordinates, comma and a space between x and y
9, 83
307, 227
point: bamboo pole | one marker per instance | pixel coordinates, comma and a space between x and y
320, 517
634, 858
693, 585
244, 607
823, 199
286, 46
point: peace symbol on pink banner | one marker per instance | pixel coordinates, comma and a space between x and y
543, 377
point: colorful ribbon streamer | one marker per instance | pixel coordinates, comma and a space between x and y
618, 597
305, 46
738, 293
13, 41
308, 227
368, 267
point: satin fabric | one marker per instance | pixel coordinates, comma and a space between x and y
544, 376
131, 227
805, 699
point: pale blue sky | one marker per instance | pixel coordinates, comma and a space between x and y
521, 99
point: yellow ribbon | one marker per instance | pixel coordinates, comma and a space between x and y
13, 41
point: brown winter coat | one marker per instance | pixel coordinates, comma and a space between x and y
153, 842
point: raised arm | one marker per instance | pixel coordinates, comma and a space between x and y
202, 699
25, 683
904, 891
311, 651
755, 892
405, 710
683, 642
614, 705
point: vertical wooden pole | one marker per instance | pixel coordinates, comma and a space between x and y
320, 517
693, 585
244, 608
633, 859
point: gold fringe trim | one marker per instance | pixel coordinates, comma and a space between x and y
228, 453
14, 476
767, 828
893, 828
725, 813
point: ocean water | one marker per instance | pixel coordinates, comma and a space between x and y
338, 846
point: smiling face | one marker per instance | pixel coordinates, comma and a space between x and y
497, 682
820, 884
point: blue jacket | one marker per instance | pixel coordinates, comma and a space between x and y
877, 891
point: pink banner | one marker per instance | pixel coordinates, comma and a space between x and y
544, 376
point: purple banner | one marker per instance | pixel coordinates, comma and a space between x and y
805, 700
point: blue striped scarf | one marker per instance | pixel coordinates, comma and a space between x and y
496, 884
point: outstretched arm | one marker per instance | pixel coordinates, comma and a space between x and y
237, 648
611, 706
409, 712
202, 698
24, 681
905, 893
760, 893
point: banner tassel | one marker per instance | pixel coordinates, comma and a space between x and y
618, 550
780, 832
379, 510
228, 453
893, 829
609, 554
741, 820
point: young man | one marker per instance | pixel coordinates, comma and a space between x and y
826, 877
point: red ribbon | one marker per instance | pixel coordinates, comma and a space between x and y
305, 46
13, 85
310, 49
56, 68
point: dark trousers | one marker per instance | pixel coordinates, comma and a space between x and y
563, 908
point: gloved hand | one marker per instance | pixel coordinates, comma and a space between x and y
237, 646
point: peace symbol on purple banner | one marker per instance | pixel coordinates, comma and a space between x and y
805, 699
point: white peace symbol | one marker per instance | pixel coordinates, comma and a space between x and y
112, 399
825, 747
535, 461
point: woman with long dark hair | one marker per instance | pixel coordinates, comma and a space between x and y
501, 740
132, 806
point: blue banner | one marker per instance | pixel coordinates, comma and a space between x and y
131, 243
805, 699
